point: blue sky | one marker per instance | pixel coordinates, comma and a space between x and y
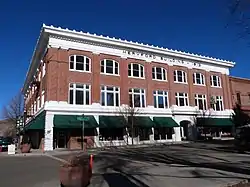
194, 26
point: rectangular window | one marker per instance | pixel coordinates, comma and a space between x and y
42, 99
160, 99
44, 69
218, 103
110, 96
79, 94
238, 98
181, 99
180, 76
215, 81
137, 97
201, 101
198, 79
38, 103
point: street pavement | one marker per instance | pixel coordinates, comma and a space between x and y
194, 164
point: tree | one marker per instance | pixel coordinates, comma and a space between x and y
129, 113
239, 117
12, 111
240, 16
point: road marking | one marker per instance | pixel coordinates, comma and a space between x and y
56, 158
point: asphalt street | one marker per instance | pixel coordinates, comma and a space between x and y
195, 164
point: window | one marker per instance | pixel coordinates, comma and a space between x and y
109, 67
79, 94
79, 63
249, 97
215, 81
159, 73
110, 96
238, 98
42, 99
35, 108
181, 99
39, 76
201, 101
198, 79
136, 70
137, 97
38, 103
160, 99
44, 69
180, 76
218, 103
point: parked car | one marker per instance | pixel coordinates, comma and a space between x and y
4, 142
242, 138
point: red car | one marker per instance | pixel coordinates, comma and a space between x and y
77, 172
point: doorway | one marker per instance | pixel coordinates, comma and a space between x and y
184, 129
61, 139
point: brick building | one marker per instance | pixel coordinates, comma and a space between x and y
73, 73
240, 90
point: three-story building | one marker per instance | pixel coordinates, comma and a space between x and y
74, 73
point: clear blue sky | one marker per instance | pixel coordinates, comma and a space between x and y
194, 26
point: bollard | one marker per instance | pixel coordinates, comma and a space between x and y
91, 162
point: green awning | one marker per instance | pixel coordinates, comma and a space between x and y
214, 122
142, 121
36, 124
70, 121
111, 122
165, 122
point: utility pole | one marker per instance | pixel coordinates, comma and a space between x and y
83, 132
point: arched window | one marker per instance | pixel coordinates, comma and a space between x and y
109, 67
159, 73
79, 63
136, 70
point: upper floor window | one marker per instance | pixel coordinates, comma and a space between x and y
218, 103
181, 99
79, 63
43, 69
109, 67
180, 76
110, 96
238, 98
42, 98
215, 81
79, 94
136, 70
198, 79
137, 97
160, 99
201, 101
159, 73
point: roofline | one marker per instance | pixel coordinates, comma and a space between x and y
47, 30
239, 78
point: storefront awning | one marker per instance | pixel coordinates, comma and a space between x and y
142, 121
36, 124
112, 122
70, 121
165, 122
214, 122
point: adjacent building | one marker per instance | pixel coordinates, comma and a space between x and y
73, 73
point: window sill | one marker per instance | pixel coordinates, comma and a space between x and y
80, 71
159, 80
199, 84
143, 78
109, 74
181, 82
216, 87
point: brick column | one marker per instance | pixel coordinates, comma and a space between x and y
149, 91
95, 88
124, 81
226, 91
208, 85
190, 87
171, 92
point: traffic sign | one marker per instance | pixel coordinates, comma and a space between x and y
80, 118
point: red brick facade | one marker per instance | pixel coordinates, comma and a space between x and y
58, 76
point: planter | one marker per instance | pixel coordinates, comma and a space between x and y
25, 148
76, 172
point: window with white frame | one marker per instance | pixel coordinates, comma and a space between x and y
181, 99
42, 98
201, 101
137, 97
43, 69
218, 103
109, 67
159, 73
79, 94
35, 107
136, 70
32, 109
198, 79
160, 99
110, 96
215, 81
79, 63
38, 103
180, 76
